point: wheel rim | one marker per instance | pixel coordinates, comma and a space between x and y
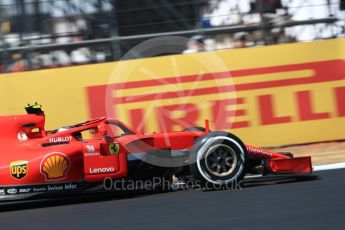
221, 160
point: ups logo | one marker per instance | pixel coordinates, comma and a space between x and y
19, 169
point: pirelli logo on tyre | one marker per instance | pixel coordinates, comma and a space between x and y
19, 169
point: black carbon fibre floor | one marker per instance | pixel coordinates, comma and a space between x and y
313, 204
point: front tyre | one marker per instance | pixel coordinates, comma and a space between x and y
220, 161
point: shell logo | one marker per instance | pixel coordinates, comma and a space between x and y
54, 166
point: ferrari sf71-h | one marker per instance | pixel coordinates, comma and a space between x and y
80, 157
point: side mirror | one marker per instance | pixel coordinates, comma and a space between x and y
93, 131
108, 138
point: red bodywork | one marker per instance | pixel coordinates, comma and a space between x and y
30, 155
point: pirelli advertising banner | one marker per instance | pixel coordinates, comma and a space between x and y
268, 96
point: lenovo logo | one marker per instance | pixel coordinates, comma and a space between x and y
101, 170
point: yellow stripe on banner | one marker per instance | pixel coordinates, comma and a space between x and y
164, 87
273, 76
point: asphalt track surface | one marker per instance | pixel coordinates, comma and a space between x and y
262, 204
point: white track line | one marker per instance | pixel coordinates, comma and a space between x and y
252, 176
329, 166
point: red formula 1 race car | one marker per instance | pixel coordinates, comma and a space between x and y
81, 157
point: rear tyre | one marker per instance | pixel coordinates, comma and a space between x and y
220, 161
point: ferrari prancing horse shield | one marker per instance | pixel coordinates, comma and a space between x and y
114, 148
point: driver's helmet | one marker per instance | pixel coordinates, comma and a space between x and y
63, 128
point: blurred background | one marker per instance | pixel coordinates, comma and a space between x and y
41, 34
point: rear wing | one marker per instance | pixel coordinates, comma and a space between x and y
34, 109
